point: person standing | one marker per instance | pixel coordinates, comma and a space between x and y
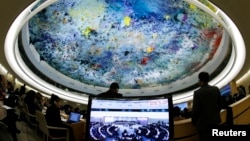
206, 107
112, 92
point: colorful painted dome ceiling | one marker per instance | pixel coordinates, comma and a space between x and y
138, 43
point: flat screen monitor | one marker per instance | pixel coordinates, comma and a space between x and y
125, 119
74, 117
226, 90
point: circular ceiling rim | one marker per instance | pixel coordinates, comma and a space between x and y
17, 64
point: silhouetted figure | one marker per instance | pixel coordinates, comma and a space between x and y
206, 107
29, 99
53, 116
186, 113
9, 118
67, 109
76, 110
241, 92
112, 92
39, 102
177, 113
243, 89
22, 90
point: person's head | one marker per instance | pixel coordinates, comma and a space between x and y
30, 97
177, 111
114, 87
203, 78
55, 100
77, 110
39, 96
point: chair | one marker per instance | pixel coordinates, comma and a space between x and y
4, 133
21, 109
29, 117
43, 126
20, 105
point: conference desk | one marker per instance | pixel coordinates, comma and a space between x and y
78, 128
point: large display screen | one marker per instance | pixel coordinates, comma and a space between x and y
125, 119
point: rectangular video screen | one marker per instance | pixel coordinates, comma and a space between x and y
125, 119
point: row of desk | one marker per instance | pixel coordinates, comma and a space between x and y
77, 128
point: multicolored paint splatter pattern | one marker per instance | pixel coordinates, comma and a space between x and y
138, 43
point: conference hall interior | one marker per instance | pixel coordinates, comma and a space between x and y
153, 49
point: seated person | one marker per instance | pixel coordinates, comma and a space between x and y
186, 113
39, 102
29, 99
11, 100
177, 113
53, 116
9, 118
67, 109
76, 110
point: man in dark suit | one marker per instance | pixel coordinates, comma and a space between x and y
112, 92
206, 107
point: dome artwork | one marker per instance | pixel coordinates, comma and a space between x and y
137, 43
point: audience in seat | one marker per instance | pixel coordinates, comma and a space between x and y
29, 99
177, 113
46, 102
11, 100
22, 90
67, 109
9, 118
53, 116
39, 102
186, 113
241, 92
76, 110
